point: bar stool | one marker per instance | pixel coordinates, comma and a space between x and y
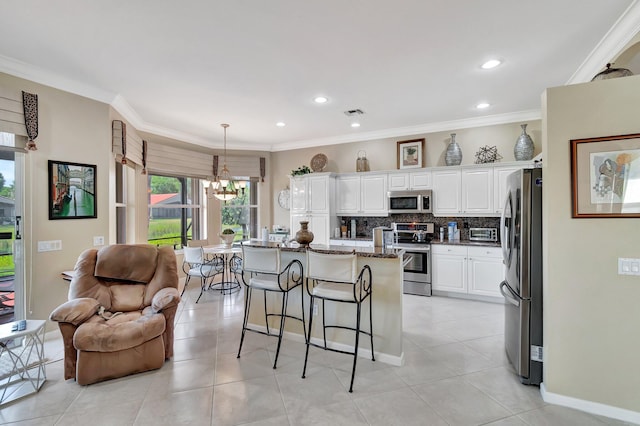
335, 278
261, 271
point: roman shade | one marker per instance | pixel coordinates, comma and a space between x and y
12, 120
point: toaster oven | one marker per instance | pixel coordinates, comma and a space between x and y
483, 234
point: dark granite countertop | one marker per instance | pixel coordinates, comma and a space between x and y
379, 252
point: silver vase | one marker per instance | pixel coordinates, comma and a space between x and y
453, 156
523, 150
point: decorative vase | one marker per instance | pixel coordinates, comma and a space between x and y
227, 239
523, 150
304, 236
453, 156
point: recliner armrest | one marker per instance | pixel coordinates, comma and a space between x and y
165, 298
75, 311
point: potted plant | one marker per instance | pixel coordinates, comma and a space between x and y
302, 170
227, 236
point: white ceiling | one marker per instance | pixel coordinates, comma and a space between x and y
180, 68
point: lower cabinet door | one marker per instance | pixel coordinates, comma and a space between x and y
485, 272
449, 272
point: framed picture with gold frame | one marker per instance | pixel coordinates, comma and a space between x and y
605, 177
411, 154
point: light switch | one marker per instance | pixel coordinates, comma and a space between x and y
628, 266
49, 245
98, 241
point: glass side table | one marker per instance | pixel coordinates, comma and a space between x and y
21, 360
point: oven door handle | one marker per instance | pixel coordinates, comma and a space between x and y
406, 261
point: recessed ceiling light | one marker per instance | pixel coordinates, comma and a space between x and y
483, 105
280, 124
320, 99
492, 63
355, 124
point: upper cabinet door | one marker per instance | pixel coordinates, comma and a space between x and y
348, 195
374, 195
500, 175
446, 192
420, 180
298, 195
319, 199
477, 191
398, 181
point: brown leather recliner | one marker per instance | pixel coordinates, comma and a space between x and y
120, 315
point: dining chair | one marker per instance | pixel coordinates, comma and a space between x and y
261, 270
335, 278
196, 265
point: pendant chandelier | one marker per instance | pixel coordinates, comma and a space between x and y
224, 188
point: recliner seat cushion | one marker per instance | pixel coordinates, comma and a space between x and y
121, 332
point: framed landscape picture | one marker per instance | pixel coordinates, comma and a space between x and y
411, 154
72, 190
605, 177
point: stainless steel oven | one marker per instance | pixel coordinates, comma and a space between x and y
417, 270
414, 238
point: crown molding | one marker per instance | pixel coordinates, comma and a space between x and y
489, 120
612, 44
47, 78
120, 104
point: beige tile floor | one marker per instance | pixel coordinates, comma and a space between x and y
455, 373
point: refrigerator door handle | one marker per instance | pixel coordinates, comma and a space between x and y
509, 295
503, 242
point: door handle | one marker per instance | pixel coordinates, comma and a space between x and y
510, 296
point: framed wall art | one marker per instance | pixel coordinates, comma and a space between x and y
605, 177
72, 190
411, 154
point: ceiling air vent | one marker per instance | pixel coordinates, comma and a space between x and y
352, 112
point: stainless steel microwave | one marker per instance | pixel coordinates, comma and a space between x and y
410, 201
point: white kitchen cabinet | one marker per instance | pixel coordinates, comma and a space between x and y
466, 191
485, 270
477, 191
351, 243
312, 199
473, 270
500, 175
407, 181
319, 224
449, 268
447, 192
362, 195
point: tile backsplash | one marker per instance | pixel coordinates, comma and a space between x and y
364, 225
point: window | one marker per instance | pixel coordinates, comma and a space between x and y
174, 216
241, 213
121, 203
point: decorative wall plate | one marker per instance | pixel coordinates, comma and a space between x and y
318, 162
283, 198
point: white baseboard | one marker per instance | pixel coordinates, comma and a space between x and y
394, 360
589, 406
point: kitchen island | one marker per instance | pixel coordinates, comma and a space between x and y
386, 269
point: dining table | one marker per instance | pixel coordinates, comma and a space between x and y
232, 264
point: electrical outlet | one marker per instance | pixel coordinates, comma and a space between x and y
98, 241
315, 309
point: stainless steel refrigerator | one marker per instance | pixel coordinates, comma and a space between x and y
521, 238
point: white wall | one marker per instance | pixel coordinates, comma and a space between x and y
71, 128
591, 314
